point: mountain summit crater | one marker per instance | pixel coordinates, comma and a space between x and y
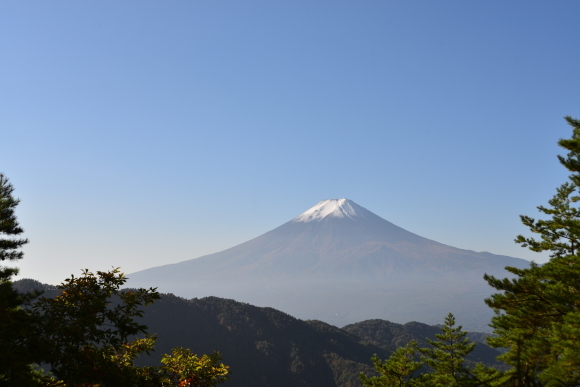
337, 208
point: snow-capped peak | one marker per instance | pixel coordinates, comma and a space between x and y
337, 208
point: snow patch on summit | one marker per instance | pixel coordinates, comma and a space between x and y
337, 208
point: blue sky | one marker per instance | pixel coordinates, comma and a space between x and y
140, 133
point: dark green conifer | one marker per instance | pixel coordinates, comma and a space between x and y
442, 365
16, 352
9, 247
397, 370
447, 356
537, 312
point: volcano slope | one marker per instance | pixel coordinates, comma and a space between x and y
340, 263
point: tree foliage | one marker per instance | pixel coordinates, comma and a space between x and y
441, 365
185, 369
537, 312
85, 335
447, 356
397, 370
15, 323
9, 227
86, 338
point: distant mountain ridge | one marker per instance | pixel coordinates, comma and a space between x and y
333, 259
265, 347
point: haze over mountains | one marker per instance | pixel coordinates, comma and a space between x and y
340, 263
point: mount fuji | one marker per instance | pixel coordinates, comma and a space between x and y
340, 263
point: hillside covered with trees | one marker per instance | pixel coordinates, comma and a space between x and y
265, 347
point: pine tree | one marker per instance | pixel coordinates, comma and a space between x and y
537, 312
442, 365
397, 370
447, 356
9, 247
15, 323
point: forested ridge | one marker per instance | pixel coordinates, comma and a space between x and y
265, 347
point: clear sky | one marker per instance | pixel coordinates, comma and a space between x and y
139, 133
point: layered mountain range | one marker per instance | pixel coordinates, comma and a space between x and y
265, 347
340, 263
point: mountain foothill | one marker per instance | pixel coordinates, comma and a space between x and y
267, 347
